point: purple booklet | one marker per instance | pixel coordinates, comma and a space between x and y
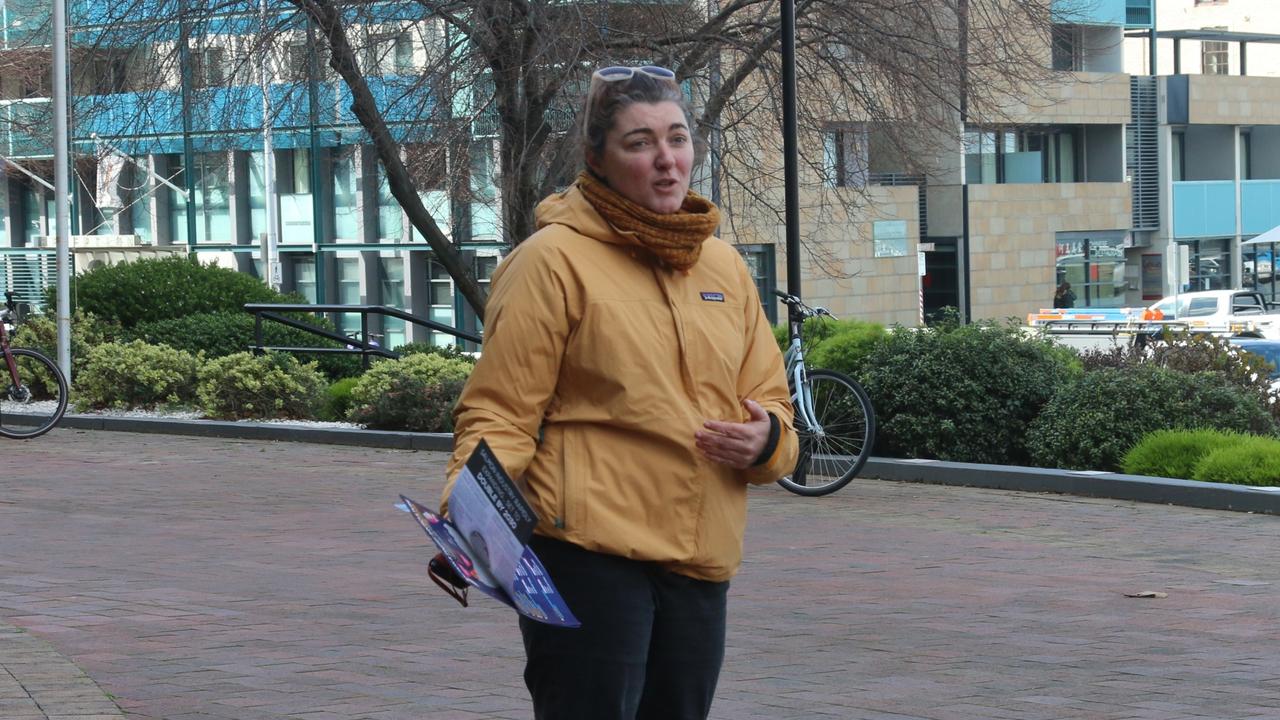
486, 540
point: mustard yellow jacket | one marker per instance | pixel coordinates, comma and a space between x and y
597, 370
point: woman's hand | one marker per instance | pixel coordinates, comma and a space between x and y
735, 444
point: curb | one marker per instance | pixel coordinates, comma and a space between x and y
279, 431
1086, 483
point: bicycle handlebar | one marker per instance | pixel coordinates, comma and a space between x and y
798, 306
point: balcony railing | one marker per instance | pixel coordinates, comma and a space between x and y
1259, 206
1204, 208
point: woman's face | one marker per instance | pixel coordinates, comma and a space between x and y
648, 156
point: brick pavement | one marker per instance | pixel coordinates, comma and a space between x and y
203, 579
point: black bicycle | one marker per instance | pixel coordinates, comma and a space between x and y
35, 397
834, 417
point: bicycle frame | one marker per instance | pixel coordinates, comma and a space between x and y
798, 378
10, 363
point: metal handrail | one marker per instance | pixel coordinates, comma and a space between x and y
361, 345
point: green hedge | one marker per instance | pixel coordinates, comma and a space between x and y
162, 288
1092, 423
428, 368
266, 386
411, 404
1251, 461
219, 334
962, 393
1175, 453
136, 375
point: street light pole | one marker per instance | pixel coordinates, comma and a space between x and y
790, 151
61, 185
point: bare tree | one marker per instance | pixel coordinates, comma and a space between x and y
515, 70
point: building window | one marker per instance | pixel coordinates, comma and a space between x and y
1050, 154
845, 157
441, 303
1214, 58
1068, 44
346, 210
297, 62
391, 285
304, 277
761, 263
348, 294
1094, 265
208, 67
388, 54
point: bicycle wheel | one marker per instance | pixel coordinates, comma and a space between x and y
37, 401
833, 452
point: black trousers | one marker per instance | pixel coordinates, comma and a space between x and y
650, 646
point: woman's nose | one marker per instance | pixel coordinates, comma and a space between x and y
666, 157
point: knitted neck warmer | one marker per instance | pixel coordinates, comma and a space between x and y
674, 240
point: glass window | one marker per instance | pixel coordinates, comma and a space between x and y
392, 289
1208, 265
348, 271
845, 162
213, 201
257, 195
345, 212
1093, 269
1068, 46
1256, 272
1214, 58
441, 303
390, 216
304, 278
761, 264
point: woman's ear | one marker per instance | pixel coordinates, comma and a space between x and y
593, 162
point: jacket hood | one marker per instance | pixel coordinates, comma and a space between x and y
571, 209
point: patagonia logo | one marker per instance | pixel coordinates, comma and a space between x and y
713, 297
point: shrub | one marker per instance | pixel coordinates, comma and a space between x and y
337, 399
1174, 453
1091, 424
429, 368
452, 352
136, 375
225, 333
846, 348
40, 333
962, 393
413, 405
1251, 461
1194, 353
270, 385
163, 288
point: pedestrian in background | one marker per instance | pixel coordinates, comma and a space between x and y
1064, 296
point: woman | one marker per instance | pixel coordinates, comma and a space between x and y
631, 382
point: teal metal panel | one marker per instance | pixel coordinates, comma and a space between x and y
1204, 208
1259, 206
1091, 12
1139, 13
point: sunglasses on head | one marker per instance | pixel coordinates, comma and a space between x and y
623, 72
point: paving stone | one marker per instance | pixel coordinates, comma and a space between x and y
207, 579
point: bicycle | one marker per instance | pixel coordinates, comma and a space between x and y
833, 415
35, 397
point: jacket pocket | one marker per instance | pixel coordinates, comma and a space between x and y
571, 510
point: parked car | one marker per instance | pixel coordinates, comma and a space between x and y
1268, 350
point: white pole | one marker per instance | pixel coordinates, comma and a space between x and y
61, 184
272, 250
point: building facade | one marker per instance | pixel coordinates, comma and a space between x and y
1128, 185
